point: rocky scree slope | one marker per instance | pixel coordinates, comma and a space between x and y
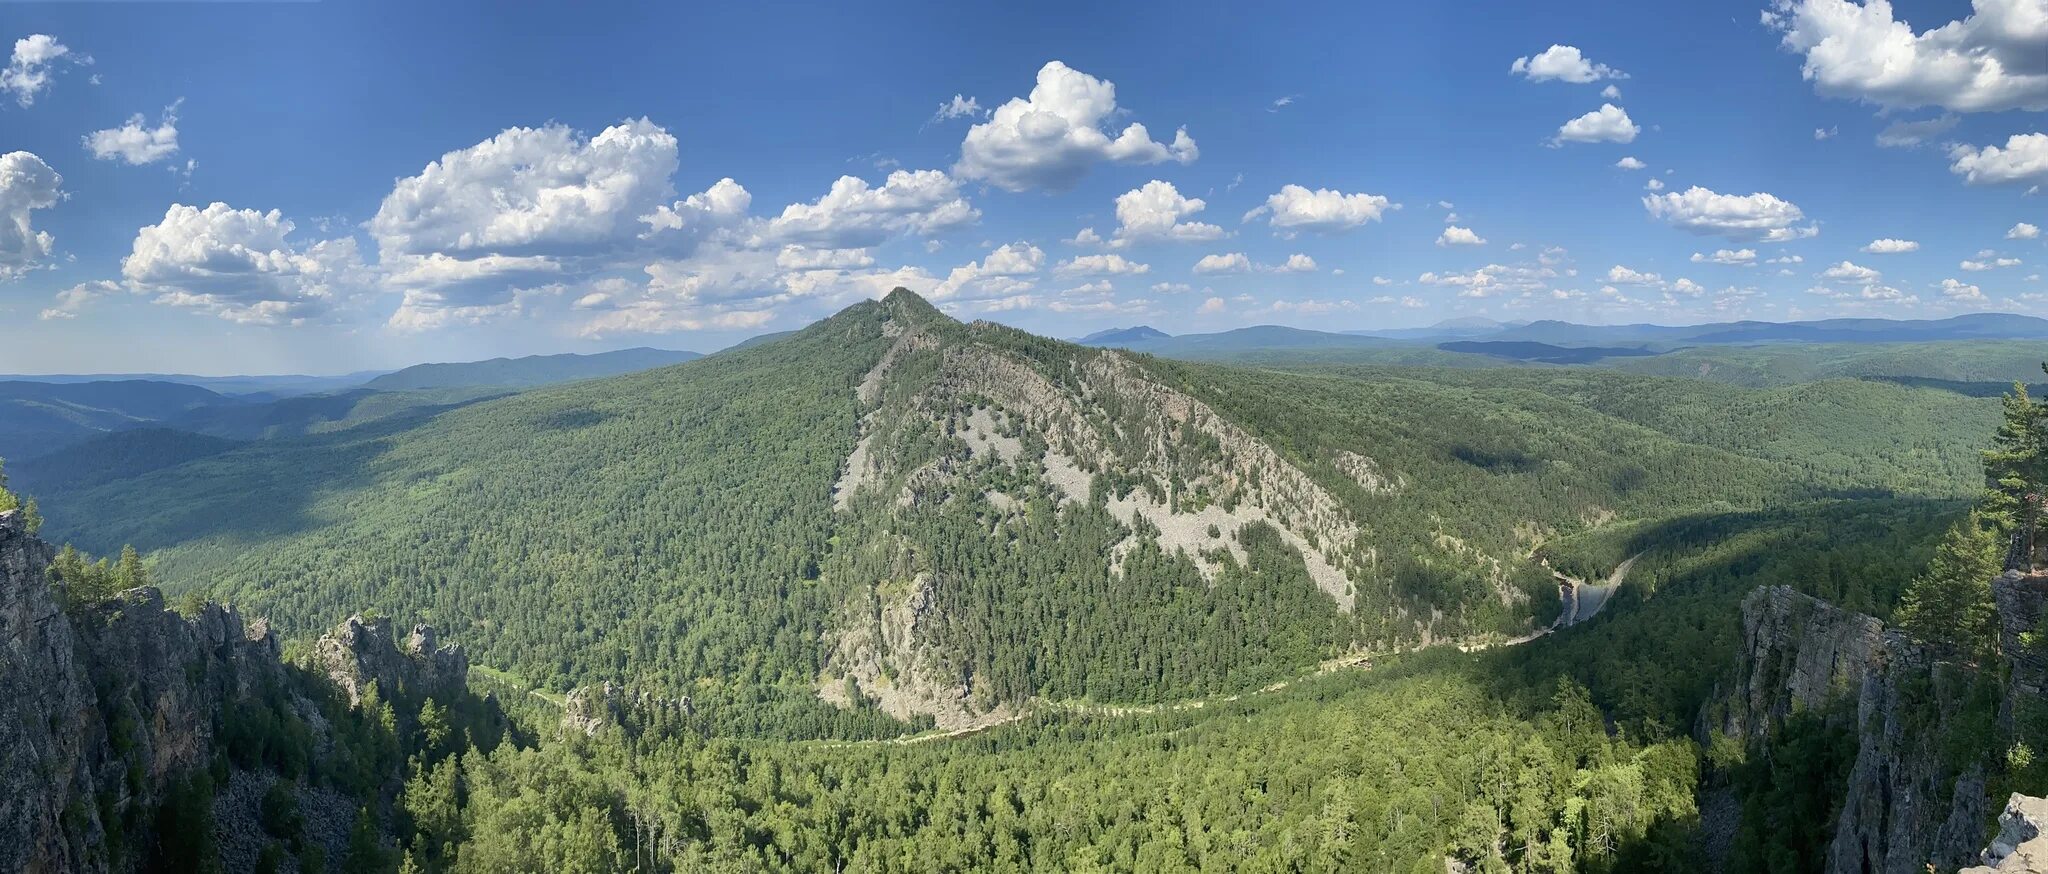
990, 423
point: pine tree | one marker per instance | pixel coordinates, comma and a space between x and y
2017, 462
130, 573
1948, 606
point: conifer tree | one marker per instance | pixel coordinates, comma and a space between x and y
1948, 606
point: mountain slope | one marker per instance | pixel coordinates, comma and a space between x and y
1124, 336
530, 370
916, 519
37, 416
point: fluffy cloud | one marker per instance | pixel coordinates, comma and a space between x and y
33, 65
26, 185
855, 214
994, 275
238, 264
1988, 260
1155, 211
2023, 231
534, 211
961, 106
2024, 159
1987, 62
1733, 257
530, 191
1906, 134
1295, 208
1888, 246
1101, 265
136, 142
1757, 216
795, 257
1296, 263
1957, 290
1608, 124
1630, 163
1620, 275
1850, 272
1211, 306
1491, 279
1051, 138
1563, 64
1457, 236
73, 300
1234, 262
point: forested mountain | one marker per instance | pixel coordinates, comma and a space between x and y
528, 371
1124, 336
948, 521
900, 593
37, 417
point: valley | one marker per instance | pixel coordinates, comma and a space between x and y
893, 562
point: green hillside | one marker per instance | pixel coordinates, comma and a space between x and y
528, 371
951, 524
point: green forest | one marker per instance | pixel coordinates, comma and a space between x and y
675, 532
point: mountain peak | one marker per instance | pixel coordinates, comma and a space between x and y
910, 305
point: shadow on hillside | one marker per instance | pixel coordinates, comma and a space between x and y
1983, 389
253, 492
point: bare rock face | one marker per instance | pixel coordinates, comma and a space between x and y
361, 651
2022, 600
2021, 845
1905, 806
1799, 654
103, 707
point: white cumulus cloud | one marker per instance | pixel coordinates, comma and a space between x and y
1732, 257
1154, 212
1051, 138
1889, 246
240, 265
2023, 160
1296, 208
137, 142
1608, 124
1459, 236
1233, 262
1101, 265
1564, 64
854, 213
33, 66
1990, 60
1759, 216
27, 184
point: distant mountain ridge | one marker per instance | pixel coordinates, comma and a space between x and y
1569, 336
527, 371
1124, 336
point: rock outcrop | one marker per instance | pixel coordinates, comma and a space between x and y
2021, 845
103, 707
1906, 804
107, 708
361, 651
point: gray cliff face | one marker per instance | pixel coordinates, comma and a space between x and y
1905, 805
105, 707
1799, 654
102, 708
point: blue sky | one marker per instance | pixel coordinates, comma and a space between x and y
323, 187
